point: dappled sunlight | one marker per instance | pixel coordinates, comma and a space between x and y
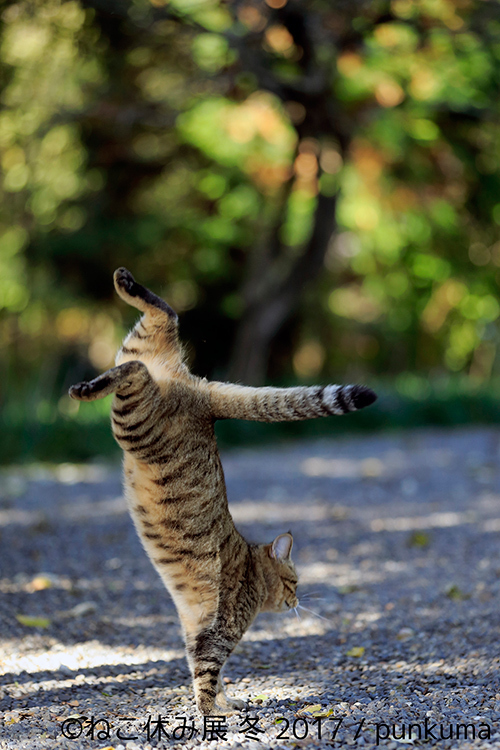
380, 528
492, 525
431, 521
380, 462
389, 463
339, 575
32, 584
21, 517
313, 511
46, 580
262, 511
342, 467
14, 478
81, 656
85, 508
287, 625
79, 509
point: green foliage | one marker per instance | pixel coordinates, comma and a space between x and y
195, 141
52, 432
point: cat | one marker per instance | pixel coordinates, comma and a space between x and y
163, 418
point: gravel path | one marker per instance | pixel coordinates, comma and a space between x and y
397, 543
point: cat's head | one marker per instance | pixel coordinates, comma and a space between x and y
281, 576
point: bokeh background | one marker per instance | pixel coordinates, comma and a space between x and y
314, 187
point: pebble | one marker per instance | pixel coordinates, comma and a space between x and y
124, 657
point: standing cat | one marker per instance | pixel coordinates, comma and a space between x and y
163, 418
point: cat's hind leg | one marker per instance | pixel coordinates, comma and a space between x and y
138, 296
127, 379
155, 336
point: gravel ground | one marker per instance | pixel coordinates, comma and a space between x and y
397, 547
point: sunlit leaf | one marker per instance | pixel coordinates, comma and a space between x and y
316, 710
33, 622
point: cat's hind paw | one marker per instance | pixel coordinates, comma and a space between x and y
125, 281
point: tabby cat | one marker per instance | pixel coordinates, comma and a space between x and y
163, 418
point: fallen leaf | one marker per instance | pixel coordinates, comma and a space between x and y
40, 582
323, 714
11, 717
261, 697
356, 651
405, 633
312, 708
33, 622
455, 592
316, 710
419, 539
349, 588
81, 609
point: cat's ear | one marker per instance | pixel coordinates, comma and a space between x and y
281, 548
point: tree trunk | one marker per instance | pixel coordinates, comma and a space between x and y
271, 294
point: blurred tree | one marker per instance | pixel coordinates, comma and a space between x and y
234, 153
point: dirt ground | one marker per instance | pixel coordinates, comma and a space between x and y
397, 543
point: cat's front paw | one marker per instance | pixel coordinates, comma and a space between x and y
236, 704
227, 705
80, 391
222, 706
125, 281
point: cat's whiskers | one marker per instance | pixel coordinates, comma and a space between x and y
310, 593
297, 612
313, 613
311, 596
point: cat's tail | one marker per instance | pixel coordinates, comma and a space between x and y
286, 404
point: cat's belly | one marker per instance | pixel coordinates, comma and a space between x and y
181, 542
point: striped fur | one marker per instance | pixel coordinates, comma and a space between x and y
163, 418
